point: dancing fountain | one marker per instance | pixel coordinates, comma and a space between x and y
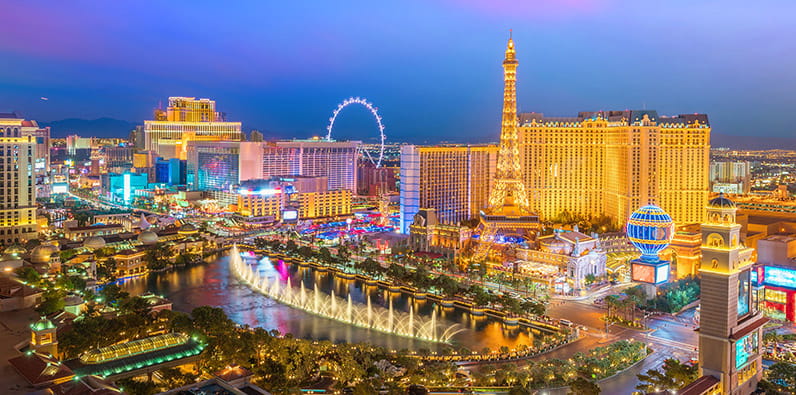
340, 309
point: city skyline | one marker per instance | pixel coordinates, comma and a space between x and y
87, 66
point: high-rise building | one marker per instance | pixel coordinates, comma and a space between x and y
730, 177
171, 171
213, 165
731, 327
17, 182
336, 160
256, 136
187, 119
611, 162
374, 181
118, 159
453, 180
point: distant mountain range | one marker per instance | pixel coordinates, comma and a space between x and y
101, 127
109, 127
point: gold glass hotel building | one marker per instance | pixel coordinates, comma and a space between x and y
17, 182
453, 180
187, 119
611, 162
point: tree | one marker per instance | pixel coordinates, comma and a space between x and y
674, 376
174, 377
113, 294
135, 387
291, 246
52, 301
28, 274
135, 305
590, 279
782, 375
325, 255
582, 386
519, 390
107, 269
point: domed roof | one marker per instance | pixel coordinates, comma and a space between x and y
148, 237
42, 253
94, 242
73, 300
650, 229
721, 202
42, 324
15, 249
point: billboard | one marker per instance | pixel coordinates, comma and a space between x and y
644, 272
744, 292
662, 274
289, 215
745, 348
780, 277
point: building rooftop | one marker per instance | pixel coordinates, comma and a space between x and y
626, 117
699, 386
41, 370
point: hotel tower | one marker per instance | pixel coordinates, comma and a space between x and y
731, 327
610, 162
17, 182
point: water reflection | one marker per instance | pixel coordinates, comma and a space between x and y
212, 284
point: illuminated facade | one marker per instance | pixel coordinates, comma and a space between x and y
730, 177
776, 276
213, 165
731, 327
336, 160
612, 162
507, 212
308, 197
324, 204
187, 119
17, 176
452, 180
427, 234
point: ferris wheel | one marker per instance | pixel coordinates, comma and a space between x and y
373, 110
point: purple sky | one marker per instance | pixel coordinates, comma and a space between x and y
431, 66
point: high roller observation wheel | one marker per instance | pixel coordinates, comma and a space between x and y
373, 110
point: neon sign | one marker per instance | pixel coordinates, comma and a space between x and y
780, 277
745, 348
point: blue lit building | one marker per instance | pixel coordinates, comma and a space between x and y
170, 171
120, 187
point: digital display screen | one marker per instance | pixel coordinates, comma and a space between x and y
662, 274
744, 292
744, 349
289, 215
780, 277
643, 273
60, 188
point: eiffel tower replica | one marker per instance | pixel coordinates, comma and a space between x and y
508, 213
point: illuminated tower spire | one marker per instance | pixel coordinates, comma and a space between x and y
509, 191
507, 217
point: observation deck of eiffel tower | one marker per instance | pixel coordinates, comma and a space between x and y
508, 216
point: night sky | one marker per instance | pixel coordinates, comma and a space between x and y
433, 67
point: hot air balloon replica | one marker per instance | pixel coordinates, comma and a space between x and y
650, 229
